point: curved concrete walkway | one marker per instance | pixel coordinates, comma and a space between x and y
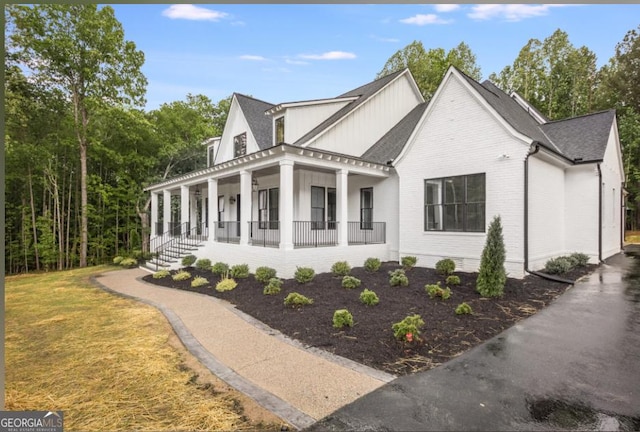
298, 384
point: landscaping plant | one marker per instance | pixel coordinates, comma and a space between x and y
264, 274
408, 329
350, 282
273, 287
117, 260
341, 318
453, 280
296, 299
129, 262
181, 275
220, 268
341, 268
408, 262
198, 282
398, 278
188, 260
445, 266
492, 275
203, 264
161, 274
372, 264
437, 291
369, 298
226, 284
463, 309
558, 265
239, 271
304, 274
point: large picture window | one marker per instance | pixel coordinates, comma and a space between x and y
240, 145
455, 203
268, 202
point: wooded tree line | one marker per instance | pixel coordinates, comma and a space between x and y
79, 147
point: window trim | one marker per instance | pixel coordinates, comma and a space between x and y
277, 122
318, 224
265, 221
366, 224
220, 211
440, 204
240, 145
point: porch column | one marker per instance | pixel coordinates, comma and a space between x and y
245, 206
212, 194
342, 195
166, 210
286, 204
184, 208
154, 214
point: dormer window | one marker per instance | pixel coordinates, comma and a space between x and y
279, 130
240, 145
211, 156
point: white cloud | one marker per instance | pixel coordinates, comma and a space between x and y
421, 20
296, 62
252, 57
446, 7
331, 55
383, 39
510, 12
191, 12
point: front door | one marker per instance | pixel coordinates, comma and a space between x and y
238, 215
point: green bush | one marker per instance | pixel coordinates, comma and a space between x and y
198, 282
398, 278
580, 259
239, 271
273, 287
437, 291
453, 280
264, 274
463, 309
161, 274
411, 325
341, 268
129, 262
558, 265
226, 284
445, 266
203, 264
295, 299
304, 274
117, 260
188, 260
341, 318
220, 268
492, 275
181, 275
350, 282
372, 264
408, 262
369, 298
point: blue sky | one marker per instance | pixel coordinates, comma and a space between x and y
289, 52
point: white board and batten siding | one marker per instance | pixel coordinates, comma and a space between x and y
366, 124
235, 125
612, 178
460, 136
301, 119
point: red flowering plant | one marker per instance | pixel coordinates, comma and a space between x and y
408, 330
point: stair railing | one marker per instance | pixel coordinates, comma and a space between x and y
183, 242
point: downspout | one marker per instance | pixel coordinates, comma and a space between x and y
623, 214
533, 151
599, 213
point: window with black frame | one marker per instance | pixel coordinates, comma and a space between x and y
366, 208
220, 211
331, 208
317, 207
455, 203
268, 208
279, 130
240, 145
274, 208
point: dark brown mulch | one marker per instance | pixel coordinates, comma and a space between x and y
370, 341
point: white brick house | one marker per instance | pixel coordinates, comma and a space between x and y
378, 172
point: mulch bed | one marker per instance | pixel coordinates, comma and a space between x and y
370, 341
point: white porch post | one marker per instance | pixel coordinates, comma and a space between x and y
154, 213
245, 206
212, 194
166, 211
184, 208
193, 210
286, 204
342, 195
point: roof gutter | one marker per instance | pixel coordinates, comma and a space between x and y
535, 149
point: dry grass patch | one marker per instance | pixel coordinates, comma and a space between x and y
105, 361
632, 237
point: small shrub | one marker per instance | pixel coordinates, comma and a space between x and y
226, 284
273, 287
408, 262
304, 274
341, 318
198, 282
463, 309
369, 298
295, 299
580, 259
240, 271
264, 274
188, 260
220, 268
398, 278
492, 275
445, 266
117, 260
558, 265
453, 280
341, 268
161, 274
129, 262
408, 329
372, 264
350, 282
437, 291
181, 275
203, 264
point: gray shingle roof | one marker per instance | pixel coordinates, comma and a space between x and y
365, 92
260, 124
391, 144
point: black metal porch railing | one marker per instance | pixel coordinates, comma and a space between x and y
177, 228
315, 233
266, 234
367, 233
159, 228
227, 232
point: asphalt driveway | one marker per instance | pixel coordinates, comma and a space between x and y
574, 365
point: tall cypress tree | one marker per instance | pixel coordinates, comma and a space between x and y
492, 276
